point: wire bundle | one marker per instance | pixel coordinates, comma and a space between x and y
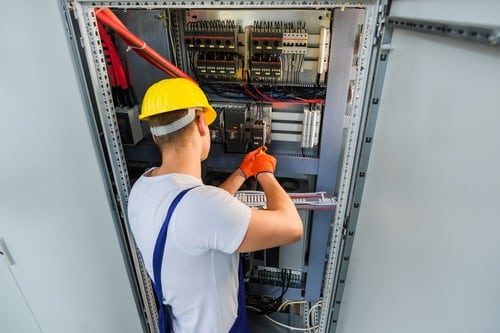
311, 324
107, 17
276, 96
271, 306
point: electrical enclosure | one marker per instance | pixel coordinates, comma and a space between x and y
278, 78
305, 80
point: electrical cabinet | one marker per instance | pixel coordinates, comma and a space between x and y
381, 115
287, 77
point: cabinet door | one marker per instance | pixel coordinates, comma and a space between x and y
13, 302
426, 247
56, 212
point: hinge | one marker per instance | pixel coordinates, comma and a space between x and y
4, 252
67, 6
382, 13
346, 222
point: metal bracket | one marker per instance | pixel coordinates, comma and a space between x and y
4, 252
478, 33
382, 12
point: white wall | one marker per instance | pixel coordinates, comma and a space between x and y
54, 209
426, 251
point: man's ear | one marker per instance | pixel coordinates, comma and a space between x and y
200, 124
154, 139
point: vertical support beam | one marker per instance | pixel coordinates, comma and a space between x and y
371, 30
344, 31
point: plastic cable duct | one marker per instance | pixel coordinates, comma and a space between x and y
106, 16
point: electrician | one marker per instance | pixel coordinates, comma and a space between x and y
197, 265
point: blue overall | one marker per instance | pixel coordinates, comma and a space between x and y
164, 311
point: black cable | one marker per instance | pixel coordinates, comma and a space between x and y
266, 308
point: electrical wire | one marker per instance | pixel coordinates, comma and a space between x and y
290, 302
308, 329
170, 35
315, 309
289, 98
271, 306
106, 16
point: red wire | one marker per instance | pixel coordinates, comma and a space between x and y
115, 68
267, 98
106, 16
250, 93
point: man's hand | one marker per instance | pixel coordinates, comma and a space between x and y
246, 164
263, 163
286, 226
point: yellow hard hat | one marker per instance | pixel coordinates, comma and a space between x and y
175, 94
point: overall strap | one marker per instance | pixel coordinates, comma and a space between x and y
159, 250
241, 324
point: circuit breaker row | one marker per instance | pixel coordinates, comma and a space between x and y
267, 51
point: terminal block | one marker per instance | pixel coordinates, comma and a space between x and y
216, 66
277, 51
265, 67
277, 276
295, 43
213, 49
213, 35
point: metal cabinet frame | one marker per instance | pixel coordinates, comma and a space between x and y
328, 236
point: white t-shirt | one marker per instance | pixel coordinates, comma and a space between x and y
200, 266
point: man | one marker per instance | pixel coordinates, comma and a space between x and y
208, 227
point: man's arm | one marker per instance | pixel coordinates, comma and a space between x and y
244, 171
279, 224
233, 182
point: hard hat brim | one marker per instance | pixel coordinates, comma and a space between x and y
210, 114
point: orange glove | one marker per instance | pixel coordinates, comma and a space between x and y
263, 163
246, 164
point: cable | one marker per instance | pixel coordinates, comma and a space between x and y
290, 302
170, 36
289, 98
291, 327
312, 319
106, 16
265, 308
309, 328
317, 305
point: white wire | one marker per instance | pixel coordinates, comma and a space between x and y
290, 327
290, 302
281, 324
316, 306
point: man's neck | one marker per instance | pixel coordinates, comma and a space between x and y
183, 161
